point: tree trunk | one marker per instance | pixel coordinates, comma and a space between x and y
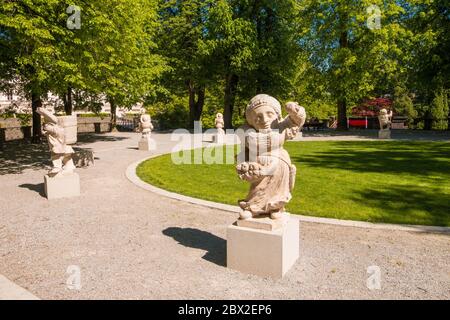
448, 120
428, 121
36, 103
342, 114
191, 90
68, 101
200, 103
196, 102
342, 101
232, 81
113, 115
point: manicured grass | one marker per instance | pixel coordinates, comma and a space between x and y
378, 181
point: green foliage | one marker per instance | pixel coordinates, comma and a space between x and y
25, 118
403, 104
317, 52
172, 113
440, 110
93, 115
111, 54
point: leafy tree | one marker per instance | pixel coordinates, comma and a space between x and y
352, 57
440, 110
403, 104
181, 32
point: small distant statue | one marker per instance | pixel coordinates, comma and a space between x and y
385, 119
220, 124
145, 125
263, 161
61, 153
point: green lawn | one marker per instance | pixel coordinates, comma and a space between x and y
377, 181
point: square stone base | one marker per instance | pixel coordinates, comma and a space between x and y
65, 186
263, 253
384, 134
146, 144
264, 222
218, 138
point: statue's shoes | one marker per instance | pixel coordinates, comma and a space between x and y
244, 215
276, 215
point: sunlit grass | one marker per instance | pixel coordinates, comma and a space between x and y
379, 181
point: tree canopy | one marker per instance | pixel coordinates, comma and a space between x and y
190, 59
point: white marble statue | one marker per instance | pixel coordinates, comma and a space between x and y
220, 124
146, 125
61, 153
263, 161
385, 119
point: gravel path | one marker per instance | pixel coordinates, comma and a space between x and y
132, 244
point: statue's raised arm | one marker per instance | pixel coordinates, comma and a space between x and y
48, 116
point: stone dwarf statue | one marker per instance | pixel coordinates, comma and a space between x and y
385, 119
220, 124
61, 153
263, 161
145, 125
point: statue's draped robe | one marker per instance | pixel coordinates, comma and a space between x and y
56, 140
270, 192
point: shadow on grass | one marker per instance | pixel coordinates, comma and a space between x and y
400, 201
194, 238
382, 157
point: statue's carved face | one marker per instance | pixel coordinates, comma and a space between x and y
146, 118
262, 117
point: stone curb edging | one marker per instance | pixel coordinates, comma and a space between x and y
11, 291
133, 178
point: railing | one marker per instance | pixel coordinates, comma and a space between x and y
127, 124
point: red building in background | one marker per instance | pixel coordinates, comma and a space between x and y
365, 115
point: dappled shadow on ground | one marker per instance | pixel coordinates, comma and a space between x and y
39, 188
381, 157
401, 200
91, 138
194, 238
18, 156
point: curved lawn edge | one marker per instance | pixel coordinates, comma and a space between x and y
134, 178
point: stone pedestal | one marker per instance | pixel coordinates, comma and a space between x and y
263, 247
69, 123
384, 134
218, 138
64, 186
146, 144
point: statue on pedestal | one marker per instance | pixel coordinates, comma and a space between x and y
61, 153
145, 125
220, 124
263, 161
385, 119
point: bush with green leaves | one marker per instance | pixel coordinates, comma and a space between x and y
439, 110
172, 113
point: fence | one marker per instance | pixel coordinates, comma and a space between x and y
127, 123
